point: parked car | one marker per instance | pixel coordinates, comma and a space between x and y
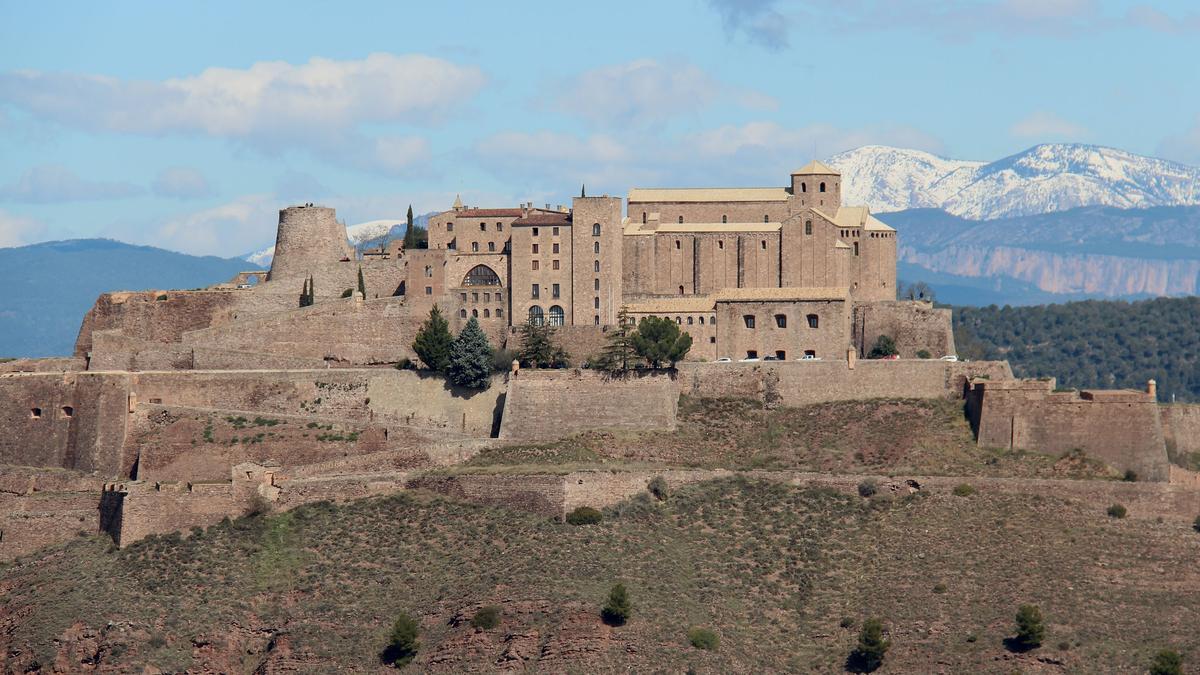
809, 357
770, 358
724, 359
243, 286
950, 357
748, 359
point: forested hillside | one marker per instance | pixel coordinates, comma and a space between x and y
1094, 343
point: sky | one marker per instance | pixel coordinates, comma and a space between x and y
187, 125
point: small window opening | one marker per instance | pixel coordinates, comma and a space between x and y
813, 321
35, 413
781, 320
749, 319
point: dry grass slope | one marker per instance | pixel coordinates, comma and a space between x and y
772, 569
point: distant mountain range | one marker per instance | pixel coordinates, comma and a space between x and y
48, 287
1043, 179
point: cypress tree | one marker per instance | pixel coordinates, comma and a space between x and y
362, 284
432, 343
619, 353
470, 362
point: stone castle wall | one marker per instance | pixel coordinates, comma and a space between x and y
805, 383
1121, 428
551, 404
913, 325
142, 315
44, 507
307, 235
1181, 428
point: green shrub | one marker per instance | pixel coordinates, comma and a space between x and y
847, 622
486, 617
659, 488
867, 488
1117, 511
884, 347
1167, 662
584, 515
403, 644
924, 354
348, 292
1030, 628
703, 638
939, 588
405, 364
161, 297
867, 655
1130, 476
617, 609
964, 490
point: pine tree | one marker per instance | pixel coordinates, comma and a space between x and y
537, 347
1030, 627
362, 284
403, 643
432, 343
617, 610
868, 655
470, 362
659, 340
619, 353
884, 347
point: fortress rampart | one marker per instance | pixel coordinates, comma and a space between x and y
1181, 428
307, 234
1123, 428
550, 404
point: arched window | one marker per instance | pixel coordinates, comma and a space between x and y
481, 275
813, 321
595, 229
701, 321
681, 219
724, 218
487, 313
822, 188
681, 290
766, 218
556, 315
428, 271
499, 313
679, 321
856, 248
643, 217
475, 313
804, 187
596, 247
462, 313
808, 227
535, 315
596, 265
690, 320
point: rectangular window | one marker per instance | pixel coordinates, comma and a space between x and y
535, 264
483, 227
499, 227
596, 265
597, 319
554, 232
537, 292
781, 320
464, 296
535, 232
535, 249
596, 303
554, 248
554, 264
499, 312
492, 246
474, 297
449, 227
487, 297
596, 284
813, 321
475, 247
781, 355
429, 290
749, 319
751, 354
554, 291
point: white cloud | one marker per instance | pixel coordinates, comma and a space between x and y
753, 153
18, 230
274, 106
52, 183
1043, 125
226, 230
181, 182
757, 20
646, 91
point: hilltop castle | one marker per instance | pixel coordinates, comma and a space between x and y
180, 407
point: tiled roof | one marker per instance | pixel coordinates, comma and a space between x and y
489, 213
543, 218
815, 167
718, 227
769, 194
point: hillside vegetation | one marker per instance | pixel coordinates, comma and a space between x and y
1099, 344
782, 576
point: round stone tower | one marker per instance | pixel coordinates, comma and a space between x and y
308, 236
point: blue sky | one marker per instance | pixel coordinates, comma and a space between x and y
187, 125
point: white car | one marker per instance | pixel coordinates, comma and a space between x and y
809, 357
749, 359
950, 357
724, 359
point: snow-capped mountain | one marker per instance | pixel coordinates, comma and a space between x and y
370, 233
1043, 179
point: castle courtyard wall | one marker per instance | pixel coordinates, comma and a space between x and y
548, 404
913, 325
1181, 428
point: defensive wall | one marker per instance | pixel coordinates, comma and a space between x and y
40, 507
1121, 427
549, 404
792, 383
1181, 428
914, 326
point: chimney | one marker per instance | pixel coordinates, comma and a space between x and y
1152, 389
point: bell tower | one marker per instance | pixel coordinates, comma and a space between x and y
818, 186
